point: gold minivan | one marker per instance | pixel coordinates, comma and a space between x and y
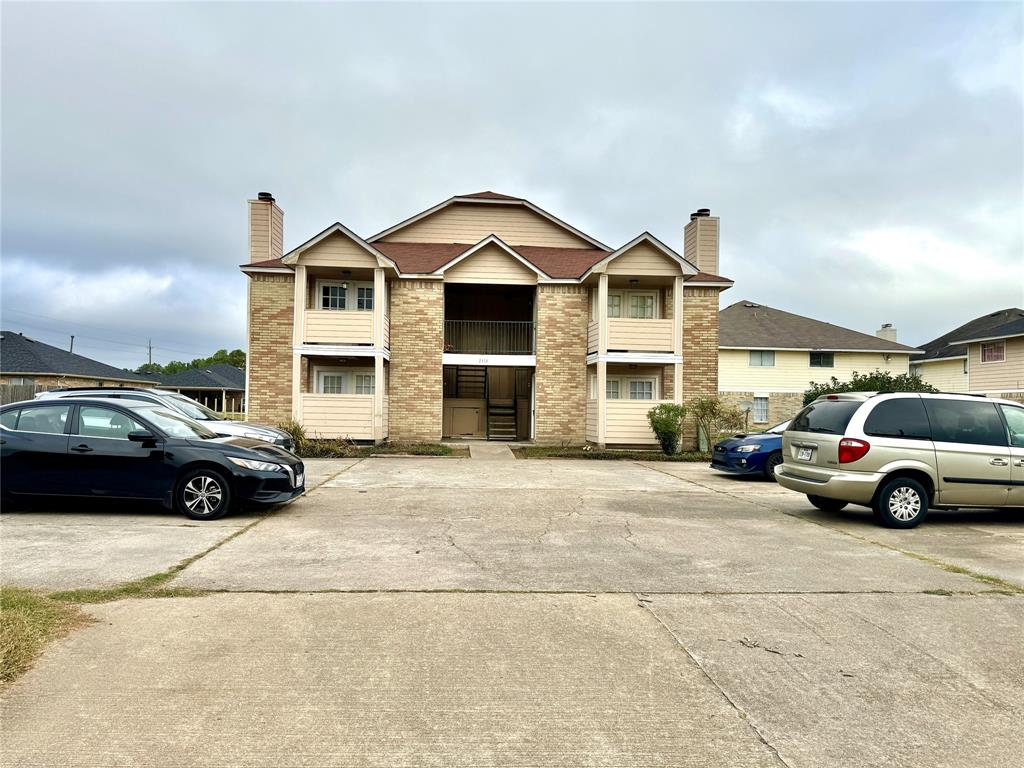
904, 453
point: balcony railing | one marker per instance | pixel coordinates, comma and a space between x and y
489, 337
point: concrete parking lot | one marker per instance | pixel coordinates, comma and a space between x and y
460, 612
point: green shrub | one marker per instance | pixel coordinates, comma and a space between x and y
666, 421
713, 417
879, 381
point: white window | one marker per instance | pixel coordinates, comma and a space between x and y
614, 305
611, 389
762, 358
641, 306
22, 380
332, 295
364, 383
641, 389
760, 410
332, 383
993, 352
364, 299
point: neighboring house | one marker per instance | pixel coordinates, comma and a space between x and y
219, 386
32, 364
768, 358
483, 316
984, 357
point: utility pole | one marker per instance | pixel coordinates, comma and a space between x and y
72, 348
150, 351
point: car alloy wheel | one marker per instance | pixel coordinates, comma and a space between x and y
202, 495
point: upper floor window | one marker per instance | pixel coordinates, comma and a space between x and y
993, 352
614, 305
640, 305
364, 299
333, 295
611, 389
823, 360
760, 358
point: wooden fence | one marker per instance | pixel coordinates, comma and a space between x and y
232, 407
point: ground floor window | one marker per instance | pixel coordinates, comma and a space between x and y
337, 381
631, 388
760, 410
611, 389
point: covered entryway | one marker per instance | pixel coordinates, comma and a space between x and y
488, 402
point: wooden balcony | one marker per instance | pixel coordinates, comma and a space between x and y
634, 335
488, 337
329, 326
627, 421
338, 416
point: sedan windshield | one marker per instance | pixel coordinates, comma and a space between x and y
193, 409
174, 424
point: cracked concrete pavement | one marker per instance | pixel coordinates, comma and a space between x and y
617, 615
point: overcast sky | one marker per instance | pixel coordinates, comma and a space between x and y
866, 160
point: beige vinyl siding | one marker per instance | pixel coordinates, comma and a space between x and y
997, 377
329, 326
491, 264
642, 259
471, 223
639, 335
337, 416
591, 433
945, 375
593, 330
627, 422
276, 232
792, 371
259, 232
337, 251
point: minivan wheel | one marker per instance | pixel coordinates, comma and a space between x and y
826, 505
901, 503
203, 494
773, 460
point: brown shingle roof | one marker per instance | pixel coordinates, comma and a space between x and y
554, 262
706, 277
491, 196
420, 258
268, 264
747, 325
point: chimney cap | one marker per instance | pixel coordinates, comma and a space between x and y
265, 196
700, 213
887, 325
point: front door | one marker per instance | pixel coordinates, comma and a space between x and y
971, 452
104, 462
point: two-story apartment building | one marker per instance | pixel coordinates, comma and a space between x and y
484, 316
984, 356
768, 358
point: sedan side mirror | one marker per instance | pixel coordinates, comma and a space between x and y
141, 436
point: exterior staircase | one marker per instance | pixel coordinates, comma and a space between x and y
471, 381
501, 421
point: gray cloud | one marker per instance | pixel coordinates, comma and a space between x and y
866, 170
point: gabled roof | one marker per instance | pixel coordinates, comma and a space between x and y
952, 345
426, 258
21, 354
647, 237
747, 325
216, 376
489, 198
1004, 331
336, 228
497, 242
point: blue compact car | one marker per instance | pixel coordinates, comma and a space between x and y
756, 454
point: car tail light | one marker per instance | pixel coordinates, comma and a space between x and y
851, 450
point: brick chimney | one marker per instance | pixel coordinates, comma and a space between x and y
887, 332
700, 241
266, 228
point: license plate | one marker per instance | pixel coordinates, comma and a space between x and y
803, 454
300, 479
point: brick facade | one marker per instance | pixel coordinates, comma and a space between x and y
417, 343
700, 351
561, 398
781, 406
271, 315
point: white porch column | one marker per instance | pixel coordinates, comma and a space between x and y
379, 303
602, 365
298, 335
602, 402
677, 339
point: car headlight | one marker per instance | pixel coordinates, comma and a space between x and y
748, 448
254, 464
259, 436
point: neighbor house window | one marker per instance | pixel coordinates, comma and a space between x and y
823, 360
760, 410
22, 380
611, 389
993, 352
364, 300
762, 359
614, 305
641, 306
364, 383
641, 389
333, 295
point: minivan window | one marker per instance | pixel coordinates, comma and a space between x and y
899, 417
962, 421
827, 416
1015, 421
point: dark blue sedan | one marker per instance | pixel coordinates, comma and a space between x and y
756, 454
